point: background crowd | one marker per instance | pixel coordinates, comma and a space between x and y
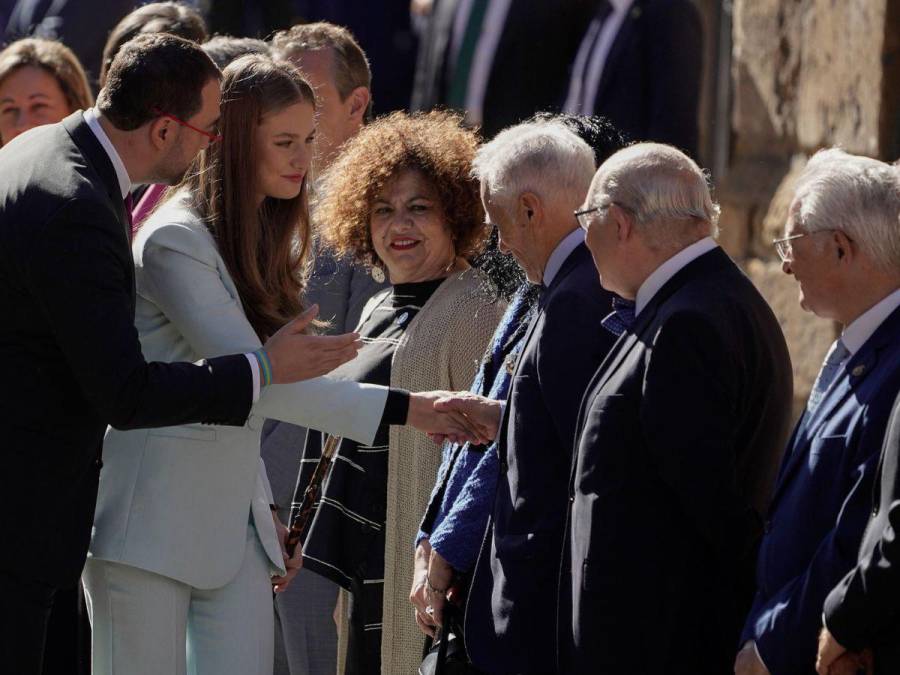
620, 491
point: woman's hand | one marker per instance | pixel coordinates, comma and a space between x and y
418, 594
296, 356
437, 583
292, 563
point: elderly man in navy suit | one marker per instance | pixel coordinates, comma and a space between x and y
842, 244
678, 435
533, 177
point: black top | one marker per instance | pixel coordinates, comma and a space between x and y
345, 540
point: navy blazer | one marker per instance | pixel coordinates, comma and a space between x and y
677, 433
861, 611
650, 86
510, 617
822, 503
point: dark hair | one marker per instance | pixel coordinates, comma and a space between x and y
598, 132
155, 71
223, 49
348, 61
55, 58
265, 249
434, 143
173, 18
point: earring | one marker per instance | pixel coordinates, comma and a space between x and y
378, 275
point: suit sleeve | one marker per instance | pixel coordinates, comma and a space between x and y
865, 601
181, 278
81, 278
785, 626
675, 69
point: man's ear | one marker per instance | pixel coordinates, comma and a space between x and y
623, 221
162, 132
359, 100
844, 245
530, 208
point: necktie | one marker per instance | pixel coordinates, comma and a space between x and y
834, 363
621, 318
578, 84
459, 85
129, 207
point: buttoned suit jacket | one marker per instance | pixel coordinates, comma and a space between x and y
510, 616
176, 501
822, 503
861, 611
72, 360
650, 85
678, 436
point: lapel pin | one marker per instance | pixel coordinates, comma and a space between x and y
402, 318
859, 370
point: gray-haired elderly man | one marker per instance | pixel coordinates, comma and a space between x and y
677, 437
842, 244
533, 178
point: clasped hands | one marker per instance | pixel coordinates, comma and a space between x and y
458, 417
432, 577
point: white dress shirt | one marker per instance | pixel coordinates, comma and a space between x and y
669, 269
485, 49
92, 119
859, 331
587, 71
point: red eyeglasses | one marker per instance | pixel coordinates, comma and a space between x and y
213, 138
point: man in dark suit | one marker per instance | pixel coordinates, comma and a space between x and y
677, 437
533, 176
72, 360
861, 611
499, 61
640, 64
841, 244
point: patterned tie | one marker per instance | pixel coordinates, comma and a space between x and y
129, 207
834, 363
621, 318
459, 86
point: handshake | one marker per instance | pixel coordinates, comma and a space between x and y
458, 417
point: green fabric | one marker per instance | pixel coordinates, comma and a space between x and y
463, 67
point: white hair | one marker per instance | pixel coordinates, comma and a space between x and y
663, 189
859, 196
546, 158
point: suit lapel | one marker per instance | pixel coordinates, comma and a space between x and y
623, 36
856, 370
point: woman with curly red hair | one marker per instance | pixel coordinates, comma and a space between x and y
401, 199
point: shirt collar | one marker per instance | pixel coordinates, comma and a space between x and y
864, 326
562, 251
669, 269
93, 122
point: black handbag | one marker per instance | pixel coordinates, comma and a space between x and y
446, 655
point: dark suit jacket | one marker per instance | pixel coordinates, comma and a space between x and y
686, 414
72, 362
650, 86
862, 610
822, 503
510, 618
529, 70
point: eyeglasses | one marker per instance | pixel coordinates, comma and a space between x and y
583, 222
785, 249
213, 138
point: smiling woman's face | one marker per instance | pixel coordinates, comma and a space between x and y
408, 230
29, 97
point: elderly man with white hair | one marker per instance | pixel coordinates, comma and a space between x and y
533, 177
842, 244
678, 433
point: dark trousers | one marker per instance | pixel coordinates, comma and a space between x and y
24, 614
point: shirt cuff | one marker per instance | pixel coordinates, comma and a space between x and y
254, 372
396, 408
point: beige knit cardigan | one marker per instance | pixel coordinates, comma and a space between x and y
441, 349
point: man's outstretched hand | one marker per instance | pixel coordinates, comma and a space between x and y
446, 422
480, 415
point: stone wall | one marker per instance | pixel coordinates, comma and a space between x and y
806, 74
